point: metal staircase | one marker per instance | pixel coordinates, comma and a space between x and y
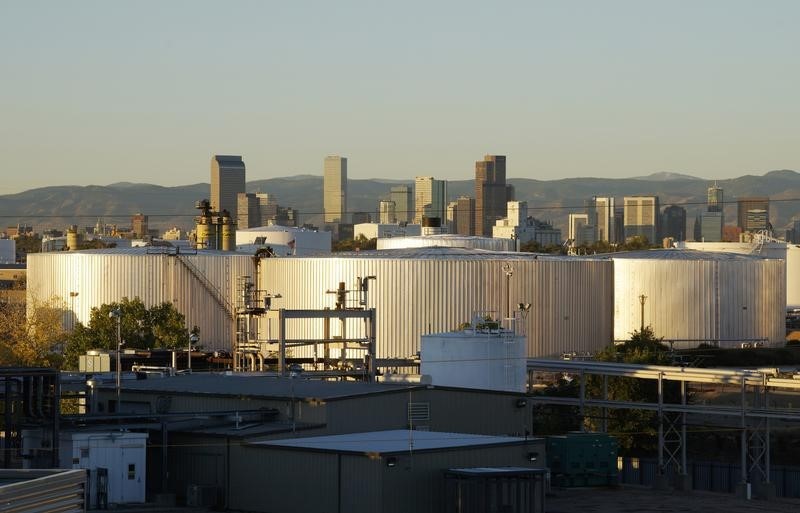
212, 289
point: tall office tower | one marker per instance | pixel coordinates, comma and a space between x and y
247, 211
139, 225
464, 216
750, 203
711, 226
227, 181
335, 189
580, 230
641, 217
403, 203
491, 193
715, 199
601, 215
430, 198
267, 208
387, 212
757, 219
674, 222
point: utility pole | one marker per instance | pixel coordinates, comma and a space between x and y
117, 314
642, 301
509, 273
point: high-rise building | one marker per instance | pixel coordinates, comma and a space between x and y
601, 217
757, 219
491, 193
262, 209
139, 225
464, 216
750, 203
641, 217
674, 223
430, 198
716, 200
227, 181
711, 226
403, 203
335, 189
387, 212
580, 231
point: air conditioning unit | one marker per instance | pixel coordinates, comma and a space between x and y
198, 496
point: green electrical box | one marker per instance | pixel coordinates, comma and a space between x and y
582, 459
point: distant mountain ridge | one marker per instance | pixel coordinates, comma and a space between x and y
59, 206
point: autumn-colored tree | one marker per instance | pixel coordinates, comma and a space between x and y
31, 338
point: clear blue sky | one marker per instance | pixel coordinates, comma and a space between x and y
146, 91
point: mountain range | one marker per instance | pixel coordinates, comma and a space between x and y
57, 207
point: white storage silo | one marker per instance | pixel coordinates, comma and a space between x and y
201, 284
430, 290
693, 296
449, 241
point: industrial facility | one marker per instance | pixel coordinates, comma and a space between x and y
694, 297
431, 290
448, 241
201, 284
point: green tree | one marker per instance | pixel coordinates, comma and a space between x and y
161, 326
635, 429
357, 244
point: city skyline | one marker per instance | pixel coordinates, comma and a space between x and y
577, 102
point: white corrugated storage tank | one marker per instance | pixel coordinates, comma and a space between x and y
448, 240
700, 296
108, 275
768, 249
429, 290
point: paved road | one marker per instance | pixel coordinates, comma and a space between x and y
645, 500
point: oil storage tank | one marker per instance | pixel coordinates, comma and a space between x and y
447, 240
201, 284
430, 290
692, 297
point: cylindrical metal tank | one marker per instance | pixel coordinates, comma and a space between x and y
206, 234
72, 238
793, 276
451, 241
228, 234
202, 286
694, 296
430, 290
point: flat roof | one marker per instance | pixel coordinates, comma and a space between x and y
392, 441
259, 386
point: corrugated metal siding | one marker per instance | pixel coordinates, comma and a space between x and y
793, 276
275, 480
105, 277
572, 299
702, 299
44, 491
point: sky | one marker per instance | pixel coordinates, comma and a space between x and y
97, 92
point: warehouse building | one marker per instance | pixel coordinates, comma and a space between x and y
431, 290
374, 472
207, 422
692, 297
201, 284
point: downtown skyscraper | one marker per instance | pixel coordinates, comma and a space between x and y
334, 189
227, 181
430, 198
491, 193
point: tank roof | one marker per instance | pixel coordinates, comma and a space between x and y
680, 254
442, 253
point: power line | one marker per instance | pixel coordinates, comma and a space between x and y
377, 212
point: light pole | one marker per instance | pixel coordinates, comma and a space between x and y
193, 339
117, 314
509, 273
642, 301
72, 296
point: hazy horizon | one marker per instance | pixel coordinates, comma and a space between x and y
145, 92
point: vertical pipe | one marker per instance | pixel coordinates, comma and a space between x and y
605, 398
282, 341
743, 399
683, 429
660, 421
119, 363
56, 416
583, 399
767, 459
164, 457
7, 404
